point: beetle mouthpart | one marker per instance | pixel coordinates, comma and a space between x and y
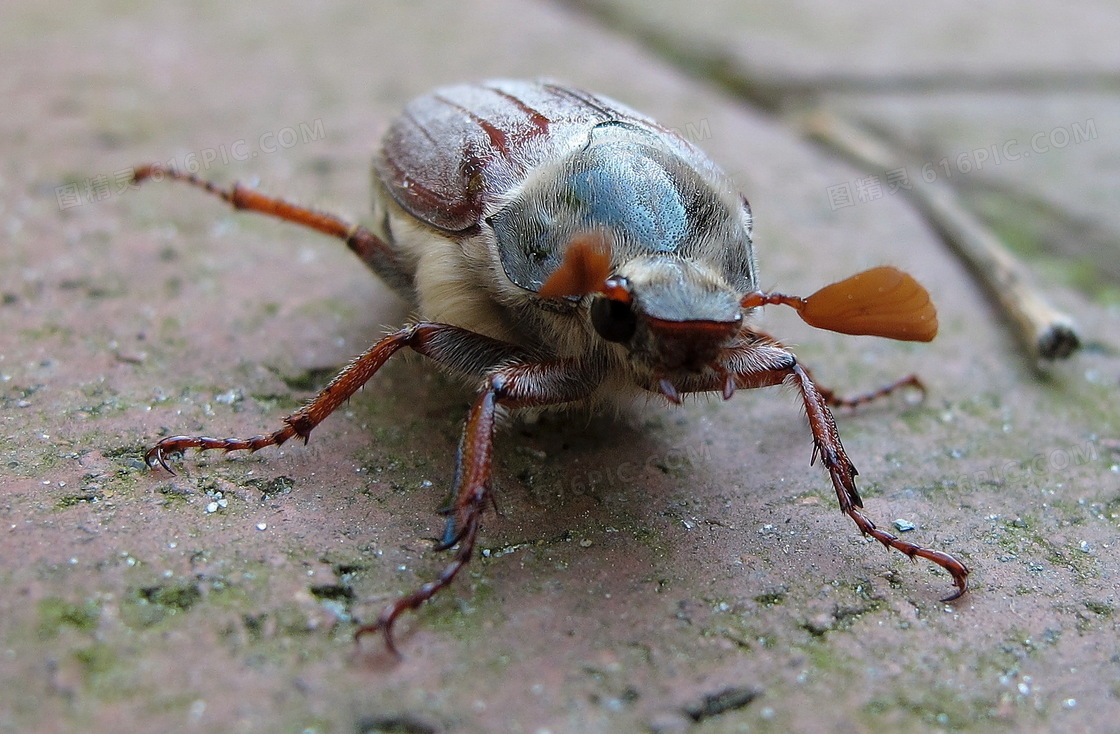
586, 266
692, 346
696, 329
669, 390
728, 385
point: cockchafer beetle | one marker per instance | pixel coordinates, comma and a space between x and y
566, 250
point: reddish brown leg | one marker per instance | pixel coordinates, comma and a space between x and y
375, 253
461, 350
827, 445
471, 495
760, 361
516, 386
851, 401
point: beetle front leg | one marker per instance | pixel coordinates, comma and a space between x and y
760, 361
826, 444
471, 495
515, 386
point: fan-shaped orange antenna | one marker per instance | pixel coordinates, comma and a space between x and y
879, 302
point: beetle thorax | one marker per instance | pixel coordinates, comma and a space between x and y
647, 196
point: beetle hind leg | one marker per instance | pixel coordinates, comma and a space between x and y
370, 249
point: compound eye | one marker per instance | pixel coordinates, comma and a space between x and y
614, 320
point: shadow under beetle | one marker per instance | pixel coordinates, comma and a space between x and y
565, 250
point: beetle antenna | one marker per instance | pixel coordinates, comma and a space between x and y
882, 302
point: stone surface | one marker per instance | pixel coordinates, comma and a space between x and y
647, 572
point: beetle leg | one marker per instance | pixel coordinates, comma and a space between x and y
514, 386
851, 401
826, 444
371, 249
460, 350
471, 493
760, 361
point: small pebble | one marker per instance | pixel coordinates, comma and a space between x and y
903, 526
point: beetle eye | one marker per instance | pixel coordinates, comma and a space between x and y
614, 320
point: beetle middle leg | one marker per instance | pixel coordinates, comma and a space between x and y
456, 348
834, 400
370, 249
512, 381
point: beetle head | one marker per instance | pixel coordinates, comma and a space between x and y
671, 313
675, 314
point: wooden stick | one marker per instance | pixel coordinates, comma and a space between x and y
1044, 331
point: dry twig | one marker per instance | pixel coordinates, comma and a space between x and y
1046, 332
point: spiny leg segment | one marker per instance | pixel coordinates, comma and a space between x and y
761, 361
524, 385
372, 251
826, 441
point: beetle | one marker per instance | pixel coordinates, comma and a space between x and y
564, 250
